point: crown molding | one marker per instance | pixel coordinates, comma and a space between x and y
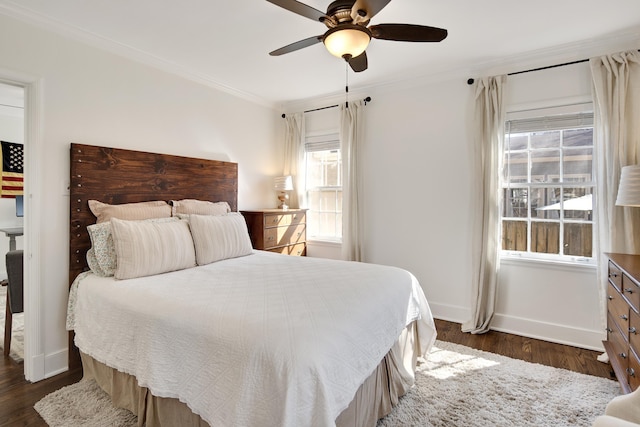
17, 12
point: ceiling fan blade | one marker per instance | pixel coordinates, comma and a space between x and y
359, 63
296, 46
301, 9
364, 10
408, 32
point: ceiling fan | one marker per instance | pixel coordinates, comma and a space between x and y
348, 33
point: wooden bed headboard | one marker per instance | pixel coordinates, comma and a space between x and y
115, 176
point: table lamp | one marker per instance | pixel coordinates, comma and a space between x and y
283, 184
629, 187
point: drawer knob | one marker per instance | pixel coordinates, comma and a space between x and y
610, 297
609, 330
628, 290
624, 317
623, 355
632, 330
631, 372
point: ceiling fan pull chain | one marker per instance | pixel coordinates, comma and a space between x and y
346, 87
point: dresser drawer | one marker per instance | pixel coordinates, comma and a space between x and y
618, 308
283, 219
297, 250
634, 330
633, 372
631, 292
620, 347
280, 236
615, 275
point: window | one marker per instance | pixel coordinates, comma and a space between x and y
323, 185
548, 187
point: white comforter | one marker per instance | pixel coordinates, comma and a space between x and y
264, 339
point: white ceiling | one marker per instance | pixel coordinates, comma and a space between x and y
226, 43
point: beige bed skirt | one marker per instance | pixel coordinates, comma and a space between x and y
375, 398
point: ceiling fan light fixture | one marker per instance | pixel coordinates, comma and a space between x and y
347, 41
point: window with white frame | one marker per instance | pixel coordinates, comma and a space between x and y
323, 186
548, 184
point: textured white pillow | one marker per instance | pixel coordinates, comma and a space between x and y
102, 257
219, 237
129, 211
199, 207
145, 248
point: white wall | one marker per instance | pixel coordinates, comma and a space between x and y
419, 205
94, 97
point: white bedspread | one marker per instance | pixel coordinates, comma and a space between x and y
264, 339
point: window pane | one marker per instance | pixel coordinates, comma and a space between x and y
324, 194
515, 203
516, 166
548, 139
514, 236
578, 165
517, 141
578, 204
545, 166
545, 203
327, 224
577, 137
545, 237
328, 200
578, 239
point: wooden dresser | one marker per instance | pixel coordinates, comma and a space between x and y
277, 230
623, 319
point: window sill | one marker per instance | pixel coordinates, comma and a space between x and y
324, 242
508, 259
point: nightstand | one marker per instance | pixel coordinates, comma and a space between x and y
277, 230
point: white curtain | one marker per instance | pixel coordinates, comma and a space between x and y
616, 91
489, 136
351, 139
294, 157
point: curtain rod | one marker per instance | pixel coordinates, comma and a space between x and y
470, 81
367, 99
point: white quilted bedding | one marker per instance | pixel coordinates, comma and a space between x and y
264, 339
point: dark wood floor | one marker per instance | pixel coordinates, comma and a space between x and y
17, 396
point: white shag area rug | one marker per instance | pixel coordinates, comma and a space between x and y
461, 386
455, 386
16, 350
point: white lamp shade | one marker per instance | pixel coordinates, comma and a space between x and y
350, 41
283, 183
629, 187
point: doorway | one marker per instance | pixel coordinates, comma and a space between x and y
12, 138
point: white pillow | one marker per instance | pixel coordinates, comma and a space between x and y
219, 237
130, 211
147, 248
102, 257
199, 207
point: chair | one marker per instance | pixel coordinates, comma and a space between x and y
622, 411
15, 265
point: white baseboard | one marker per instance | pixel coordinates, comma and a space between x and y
450, 313
552, 332
56, 363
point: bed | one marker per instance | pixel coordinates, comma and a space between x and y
251, 338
